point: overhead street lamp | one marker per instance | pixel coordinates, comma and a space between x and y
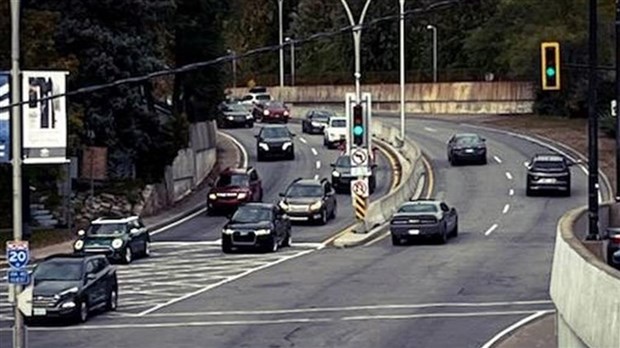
434, 29
357, 37
292, 43
234, 66
280, 43
402, 69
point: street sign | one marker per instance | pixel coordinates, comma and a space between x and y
24, 301
359, 157
17, 254
613, 108
18, 276
359, 187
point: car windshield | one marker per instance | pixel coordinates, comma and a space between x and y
106, 229
236, 107
246, 97
305, 191
418, 208
59, 270
245, 214
548, 165
321, 116
229, 180
344, 161
468, 140
275, 132
263, 97
339, 123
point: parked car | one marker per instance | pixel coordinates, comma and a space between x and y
424, 219
548, 172
235, 115
309, 200
257, 225
613, 247
467, 147
251, 99
272, 111
72, 286
342, 175
336, 132
120, 239
233, 187
316, 121
275, 141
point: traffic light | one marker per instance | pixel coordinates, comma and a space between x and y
550, 66
358, 125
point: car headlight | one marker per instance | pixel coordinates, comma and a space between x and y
283, 205
316, 205
72, 290
315, 124
117, 243
68, 304
264, 146
286, 113
262, 232
266, 112
227, 231
248, 116
241, 195
78, 245
335, 173
212, 196
332, 135
287, 145
230, 118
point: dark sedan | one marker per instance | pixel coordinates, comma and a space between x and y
466, 147
257, 225
343, 174
72, 286
316, 121
275, 141
235, 115
424, 219
271, 111
613, 247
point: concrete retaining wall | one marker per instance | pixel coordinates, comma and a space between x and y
584, 289
508, 97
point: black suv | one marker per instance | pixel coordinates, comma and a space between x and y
120, 239
275, 141
316, 121
342, 175
71, 286
257, 225
548, 172
309, 200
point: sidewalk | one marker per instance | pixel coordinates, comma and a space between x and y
228, 155
537, 334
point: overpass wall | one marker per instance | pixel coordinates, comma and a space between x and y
506, 97
584, 289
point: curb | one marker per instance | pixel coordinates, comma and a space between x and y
498, 340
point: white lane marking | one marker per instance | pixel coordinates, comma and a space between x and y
303, 140
209, 242
318, 164
314, 152
244, 152
176, 223
497, 159
225, 281
506, 208
378, 239
491, 229
429, 129
352, 308
513, 327
511, 192
272, 321
509, 176
316, 176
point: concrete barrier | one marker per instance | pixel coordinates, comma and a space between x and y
584, 289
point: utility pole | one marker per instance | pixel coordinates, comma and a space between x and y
19, 331
434, 29
593, 186
402, 68
617, 100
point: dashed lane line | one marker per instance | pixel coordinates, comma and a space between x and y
506, 208
497, 159
429, 129
303, 140
511, 192
491, 229
318, 164
509, 176
314, 152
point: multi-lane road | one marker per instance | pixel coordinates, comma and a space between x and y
457, 295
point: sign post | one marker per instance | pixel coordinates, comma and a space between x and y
360, 193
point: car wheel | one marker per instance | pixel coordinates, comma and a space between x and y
288, 241
112, 300
483, 160
443, 236
82, 314
333, 214
396, 240
249, 124
567, 192
323, 218
226, 247
274, 244
292, 156
455, 231
528, 191
128, 255
260, 157
147, 249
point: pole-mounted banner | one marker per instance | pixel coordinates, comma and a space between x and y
5, 118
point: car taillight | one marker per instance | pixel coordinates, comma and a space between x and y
615, 238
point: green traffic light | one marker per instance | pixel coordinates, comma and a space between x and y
358, 130
550, 71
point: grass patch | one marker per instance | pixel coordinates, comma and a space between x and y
39, 238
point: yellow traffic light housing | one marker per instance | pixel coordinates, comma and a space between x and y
550, 65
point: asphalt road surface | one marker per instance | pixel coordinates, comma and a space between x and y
456, 295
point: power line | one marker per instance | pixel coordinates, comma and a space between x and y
194, 66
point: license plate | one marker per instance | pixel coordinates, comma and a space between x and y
414, 232
244, 233
469, 151
547, 181
39, 311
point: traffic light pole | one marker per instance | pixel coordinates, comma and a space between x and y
19, 332
593, 186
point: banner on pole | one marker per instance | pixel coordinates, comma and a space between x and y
5, 119
44, 121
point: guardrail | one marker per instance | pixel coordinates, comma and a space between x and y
412, 168
584, 289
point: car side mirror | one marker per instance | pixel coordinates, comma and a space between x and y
81, 233
229, 216
134, 231
256, 136
91, 276
373, 166
293, 134
333, 165
281, 194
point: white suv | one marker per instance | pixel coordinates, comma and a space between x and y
253, 98
336, 132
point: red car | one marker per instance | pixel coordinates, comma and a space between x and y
234, 187
272, 111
